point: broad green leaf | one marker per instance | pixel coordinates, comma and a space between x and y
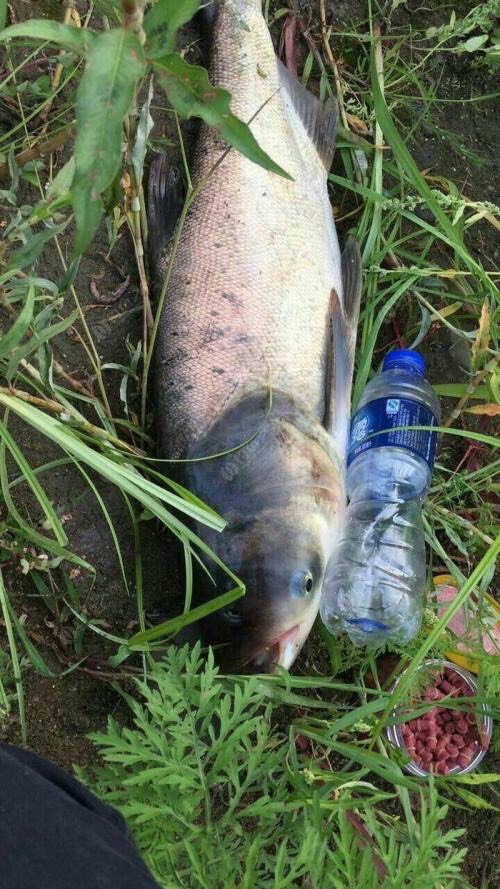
87, 207
20, 325
114, 66
164, 20
458, 390
3, 13
78, 40
192, 95
61, 183
30, 251
472, 44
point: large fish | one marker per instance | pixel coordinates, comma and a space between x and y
255, 347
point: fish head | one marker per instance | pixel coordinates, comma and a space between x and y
282, 508
281, 557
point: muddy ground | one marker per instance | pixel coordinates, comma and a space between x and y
62, 711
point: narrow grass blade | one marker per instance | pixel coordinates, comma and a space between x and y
16, 332
78, 40
16, 667
34, 484
170, 627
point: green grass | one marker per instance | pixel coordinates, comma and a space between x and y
420, 274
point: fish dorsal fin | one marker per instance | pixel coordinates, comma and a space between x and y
319, 119
165, 201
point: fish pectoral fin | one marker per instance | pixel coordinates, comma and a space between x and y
344, 319
166, 192
319, 119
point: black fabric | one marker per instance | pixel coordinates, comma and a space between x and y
55, 834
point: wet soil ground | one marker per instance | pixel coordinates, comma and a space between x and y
458, 139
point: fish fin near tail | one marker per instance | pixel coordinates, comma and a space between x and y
166, 193
319, 119
344, 318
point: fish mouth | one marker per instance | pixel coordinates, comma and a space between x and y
280, 651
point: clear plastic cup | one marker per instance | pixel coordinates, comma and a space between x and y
394, 735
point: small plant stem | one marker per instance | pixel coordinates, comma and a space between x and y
465, 522
373, 237
325, 34
55, 407
475, 382
133, 14
371, 222
134, 219
33, 372
185, 164
44, 148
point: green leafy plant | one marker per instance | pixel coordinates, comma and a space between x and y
116, 62
218, 796
477, 32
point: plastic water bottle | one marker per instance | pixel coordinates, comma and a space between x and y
375, 580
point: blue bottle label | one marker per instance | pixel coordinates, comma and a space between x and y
389, 413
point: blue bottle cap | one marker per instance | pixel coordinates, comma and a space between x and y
406, 359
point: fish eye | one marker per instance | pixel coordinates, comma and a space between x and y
302, 583
232, 616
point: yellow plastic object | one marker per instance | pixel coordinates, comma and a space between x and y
462, 660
